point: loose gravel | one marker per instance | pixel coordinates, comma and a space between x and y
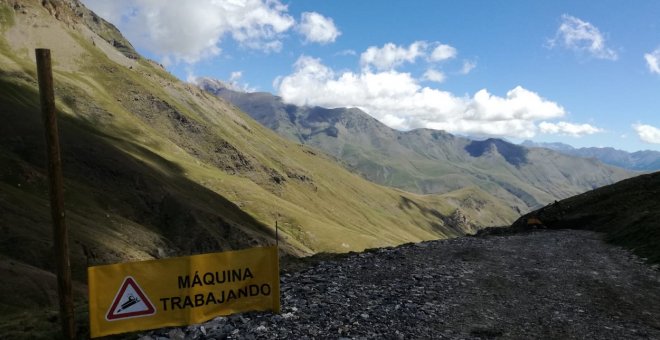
550, 284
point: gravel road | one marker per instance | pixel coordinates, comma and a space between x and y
551, 284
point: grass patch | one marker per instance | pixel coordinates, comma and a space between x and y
6, 17
627, 212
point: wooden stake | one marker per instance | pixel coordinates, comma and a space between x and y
56, 185
277, 236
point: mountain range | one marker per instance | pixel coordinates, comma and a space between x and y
155, 167
646, 160
423, 160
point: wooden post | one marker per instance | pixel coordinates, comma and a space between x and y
56, 185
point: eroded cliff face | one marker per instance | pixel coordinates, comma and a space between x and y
74, 14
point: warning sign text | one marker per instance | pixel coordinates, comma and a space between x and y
180, 291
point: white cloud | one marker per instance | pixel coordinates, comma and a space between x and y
582, 36
653, 61
390, 55
398, 100
317, 28
236, 84
235, 76
192, 30
190, 75
519, 103
434, 75
570, 129
443, 52
648, 133
468, 66
515, 128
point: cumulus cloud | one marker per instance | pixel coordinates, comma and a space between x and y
192, 30
653, 61
519, 103
434, 75
516, 128
443, 52
317, 28
647, 133
565, 128
390, 55
581, 36
398, 100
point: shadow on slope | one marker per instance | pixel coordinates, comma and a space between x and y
456, 222
123, 201
513, 154
627, 212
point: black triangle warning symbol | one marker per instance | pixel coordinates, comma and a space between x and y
130, 302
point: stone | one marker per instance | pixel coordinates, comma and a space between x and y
176, 334
531, 285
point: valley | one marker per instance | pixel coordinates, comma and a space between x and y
427, 161
155, 167
381, 232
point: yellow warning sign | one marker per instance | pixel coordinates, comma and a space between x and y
181, 291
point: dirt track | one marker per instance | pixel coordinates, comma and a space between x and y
546, 284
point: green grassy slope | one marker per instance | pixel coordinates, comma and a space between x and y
155, 167
627, 211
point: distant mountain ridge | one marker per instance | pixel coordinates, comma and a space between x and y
424, 160
646, 160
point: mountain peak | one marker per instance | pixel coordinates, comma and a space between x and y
215, 85
210, 84
73, 12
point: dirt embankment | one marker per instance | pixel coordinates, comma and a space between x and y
627, 212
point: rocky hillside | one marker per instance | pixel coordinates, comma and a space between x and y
427, 161
628, 212
155, 167
646, 160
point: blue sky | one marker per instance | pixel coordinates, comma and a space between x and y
579, 72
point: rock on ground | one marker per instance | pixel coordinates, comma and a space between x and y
564, 284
